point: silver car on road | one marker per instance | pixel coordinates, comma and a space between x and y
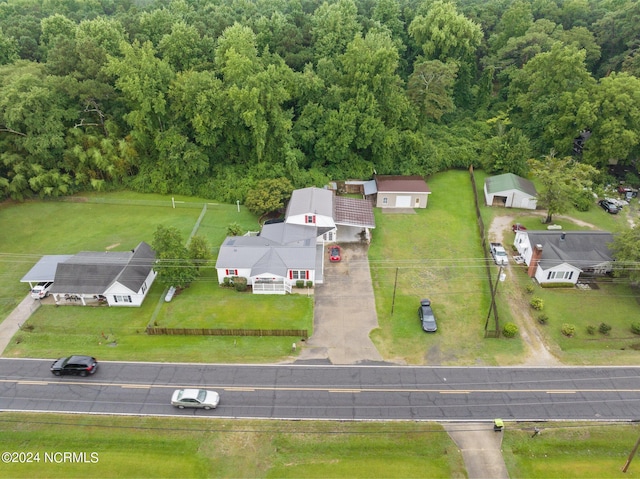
200, 398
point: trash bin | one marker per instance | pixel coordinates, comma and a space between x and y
498, 425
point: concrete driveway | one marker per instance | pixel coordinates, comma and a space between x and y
344, 311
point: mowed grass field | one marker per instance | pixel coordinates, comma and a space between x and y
570, 450
129, 447
118, 222
436, 254
433, 254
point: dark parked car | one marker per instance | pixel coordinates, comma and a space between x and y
80, 365
426, 316
627, 192
609, 206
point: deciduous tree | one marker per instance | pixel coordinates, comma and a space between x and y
560, 180
614, 112
626, 251
268, 195
430, 87
334, 26
548, 92
173, 264
444, 33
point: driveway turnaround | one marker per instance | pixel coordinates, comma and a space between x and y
344, 311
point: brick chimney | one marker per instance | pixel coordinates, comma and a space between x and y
535, 258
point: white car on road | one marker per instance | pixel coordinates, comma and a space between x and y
195, 398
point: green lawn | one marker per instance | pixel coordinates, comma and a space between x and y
206, 305
161, 447
615, 304
436, 254
192, 447
119, 222
570, 450
118, 333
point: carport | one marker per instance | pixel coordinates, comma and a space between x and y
354, 218
44, 270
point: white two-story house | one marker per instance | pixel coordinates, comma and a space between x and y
287, 253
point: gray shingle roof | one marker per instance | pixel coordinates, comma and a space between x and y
286, 233
138, 267
90, 272
264, 255
582, 249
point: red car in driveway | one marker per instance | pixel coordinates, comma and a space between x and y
335, 253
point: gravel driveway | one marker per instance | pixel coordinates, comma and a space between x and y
344, 312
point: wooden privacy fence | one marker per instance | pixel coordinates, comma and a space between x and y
298, 333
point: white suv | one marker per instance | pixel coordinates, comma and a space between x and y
41, 290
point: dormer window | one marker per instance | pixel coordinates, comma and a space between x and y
310, 219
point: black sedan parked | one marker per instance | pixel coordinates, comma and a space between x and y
426, 316
80, 365
609, 206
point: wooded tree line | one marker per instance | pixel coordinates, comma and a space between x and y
209, 97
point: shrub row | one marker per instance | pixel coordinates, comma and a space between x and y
558, 285
237, 282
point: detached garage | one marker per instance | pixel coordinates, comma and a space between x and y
401, 192
510, 191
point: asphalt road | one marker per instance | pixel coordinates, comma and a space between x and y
331, 392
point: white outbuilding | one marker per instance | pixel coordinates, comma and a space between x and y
510, 191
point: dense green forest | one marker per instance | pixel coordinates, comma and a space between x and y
206, 97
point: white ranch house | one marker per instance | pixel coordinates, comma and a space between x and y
89, 277
562, 257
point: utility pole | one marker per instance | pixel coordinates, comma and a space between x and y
630, 458
493, 307
395, 283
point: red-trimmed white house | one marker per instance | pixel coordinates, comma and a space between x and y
273, 261
285, 253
